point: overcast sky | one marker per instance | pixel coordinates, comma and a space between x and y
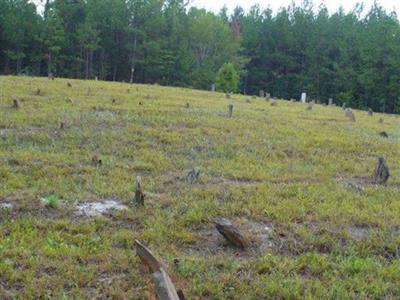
332, 5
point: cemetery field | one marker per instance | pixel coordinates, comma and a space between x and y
297, 183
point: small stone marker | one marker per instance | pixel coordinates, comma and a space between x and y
248, 100
228, 96
344, 105
69, 85
310, 106
16, 103
231, 233
382, 172
292, 100
370, 112
262, 94
95, 78
96, 161
193, 176
303, 97
230, 110
274, 103
267, 96
330, 101
383, 134
381, 121
213, 87
139, 195
164, 287
349, 114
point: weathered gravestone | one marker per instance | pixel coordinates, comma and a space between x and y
349, 114
303, 97
262, 94
139, 194
330, 101
230, 110
231, 233
382, 172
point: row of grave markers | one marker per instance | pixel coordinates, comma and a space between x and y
266, 95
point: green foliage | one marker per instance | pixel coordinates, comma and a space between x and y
51, 201
227, 79
352, 57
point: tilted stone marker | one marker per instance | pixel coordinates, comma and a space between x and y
231, 233
230, 110
139, 195
349, 114
303, 97
382, 172
164, 287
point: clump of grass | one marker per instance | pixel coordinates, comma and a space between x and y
51, 201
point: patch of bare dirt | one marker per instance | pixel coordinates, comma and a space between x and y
359, 233
262, 236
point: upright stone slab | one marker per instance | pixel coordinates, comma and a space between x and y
330, 101
213, 87
267, 96
303, 97
261, 93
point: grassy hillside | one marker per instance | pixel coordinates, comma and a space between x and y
297, 183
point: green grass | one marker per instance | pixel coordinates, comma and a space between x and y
301, 173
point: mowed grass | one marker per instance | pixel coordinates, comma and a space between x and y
296, 182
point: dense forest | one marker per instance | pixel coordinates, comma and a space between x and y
352, 57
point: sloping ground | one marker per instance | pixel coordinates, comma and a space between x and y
295, 182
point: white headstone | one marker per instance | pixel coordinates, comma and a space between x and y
213, 87
330, 101
95, 78
303, 97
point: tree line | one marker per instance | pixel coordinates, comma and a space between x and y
352, 57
